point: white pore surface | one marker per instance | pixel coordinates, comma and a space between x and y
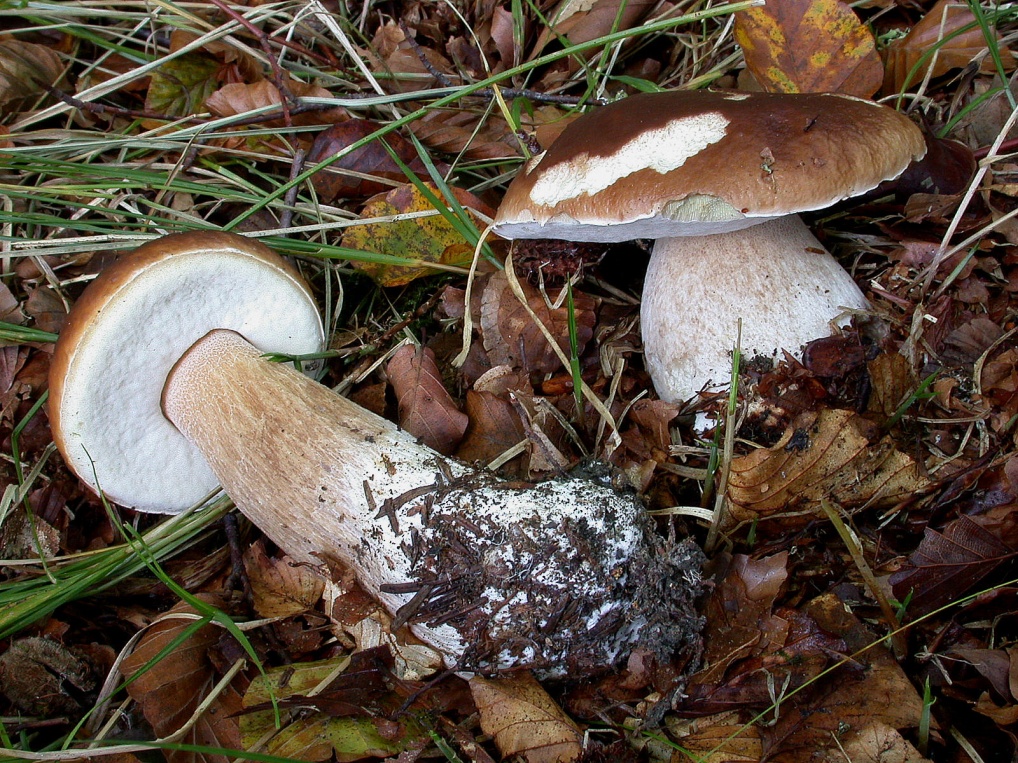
776, 277
117, 437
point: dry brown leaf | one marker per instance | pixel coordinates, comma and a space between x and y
169, 691
809, 46
874, 743
25, 71
947, 565
426, 409
44, 677
870, 689
518, 713
511, 336
737, 611
583, 20
834, 455
281, 588
46, 308
940, 22
347, 176
721, 738
494, 428
891, 381
242, 98
457, 131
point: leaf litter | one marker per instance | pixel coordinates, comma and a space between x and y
906, 425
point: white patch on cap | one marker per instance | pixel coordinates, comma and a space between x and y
662, 150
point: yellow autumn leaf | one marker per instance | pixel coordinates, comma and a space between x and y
394, 227
809, 46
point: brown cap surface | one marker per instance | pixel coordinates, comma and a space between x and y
689, 163
125, 333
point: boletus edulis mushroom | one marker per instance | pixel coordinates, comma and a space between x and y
717, 179
562, 576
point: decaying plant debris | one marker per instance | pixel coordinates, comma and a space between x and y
331, 131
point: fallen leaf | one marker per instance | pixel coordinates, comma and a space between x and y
26, 69
512, 338
524, 720
461, 132
351, 175
873, 743
426, 409
425, 238
809, 46
280, 587
583, 20
242, 98
169, 690
180, 85
834, 455
329, 709
45, 678
949, 564
930, 33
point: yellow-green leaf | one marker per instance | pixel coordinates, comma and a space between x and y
428, 239
180, 86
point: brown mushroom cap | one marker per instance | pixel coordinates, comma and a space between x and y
125, 333
690, 163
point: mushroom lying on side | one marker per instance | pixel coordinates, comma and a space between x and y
565, 575
717, 178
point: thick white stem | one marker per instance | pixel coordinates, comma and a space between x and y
563, 575
776, 277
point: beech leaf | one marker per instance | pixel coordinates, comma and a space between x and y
809, 46
834, 455
279, 587
512, 338
24, 70
169, 691
525, 720
947, 565
931, 32
425, 408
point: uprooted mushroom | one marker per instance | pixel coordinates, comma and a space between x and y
160, 388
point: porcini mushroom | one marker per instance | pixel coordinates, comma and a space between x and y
717, 179
569, 574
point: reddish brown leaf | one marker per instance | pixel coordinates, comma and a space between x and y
347, 176
940, 22
425, 408
947, 565
512, 338
809, 46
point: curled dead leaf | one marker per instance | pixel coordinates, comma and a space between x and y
512, 338
834, 455
939, 30
280, 587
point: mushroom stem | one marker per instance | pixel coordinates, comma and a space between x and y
562, 575
776, 277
